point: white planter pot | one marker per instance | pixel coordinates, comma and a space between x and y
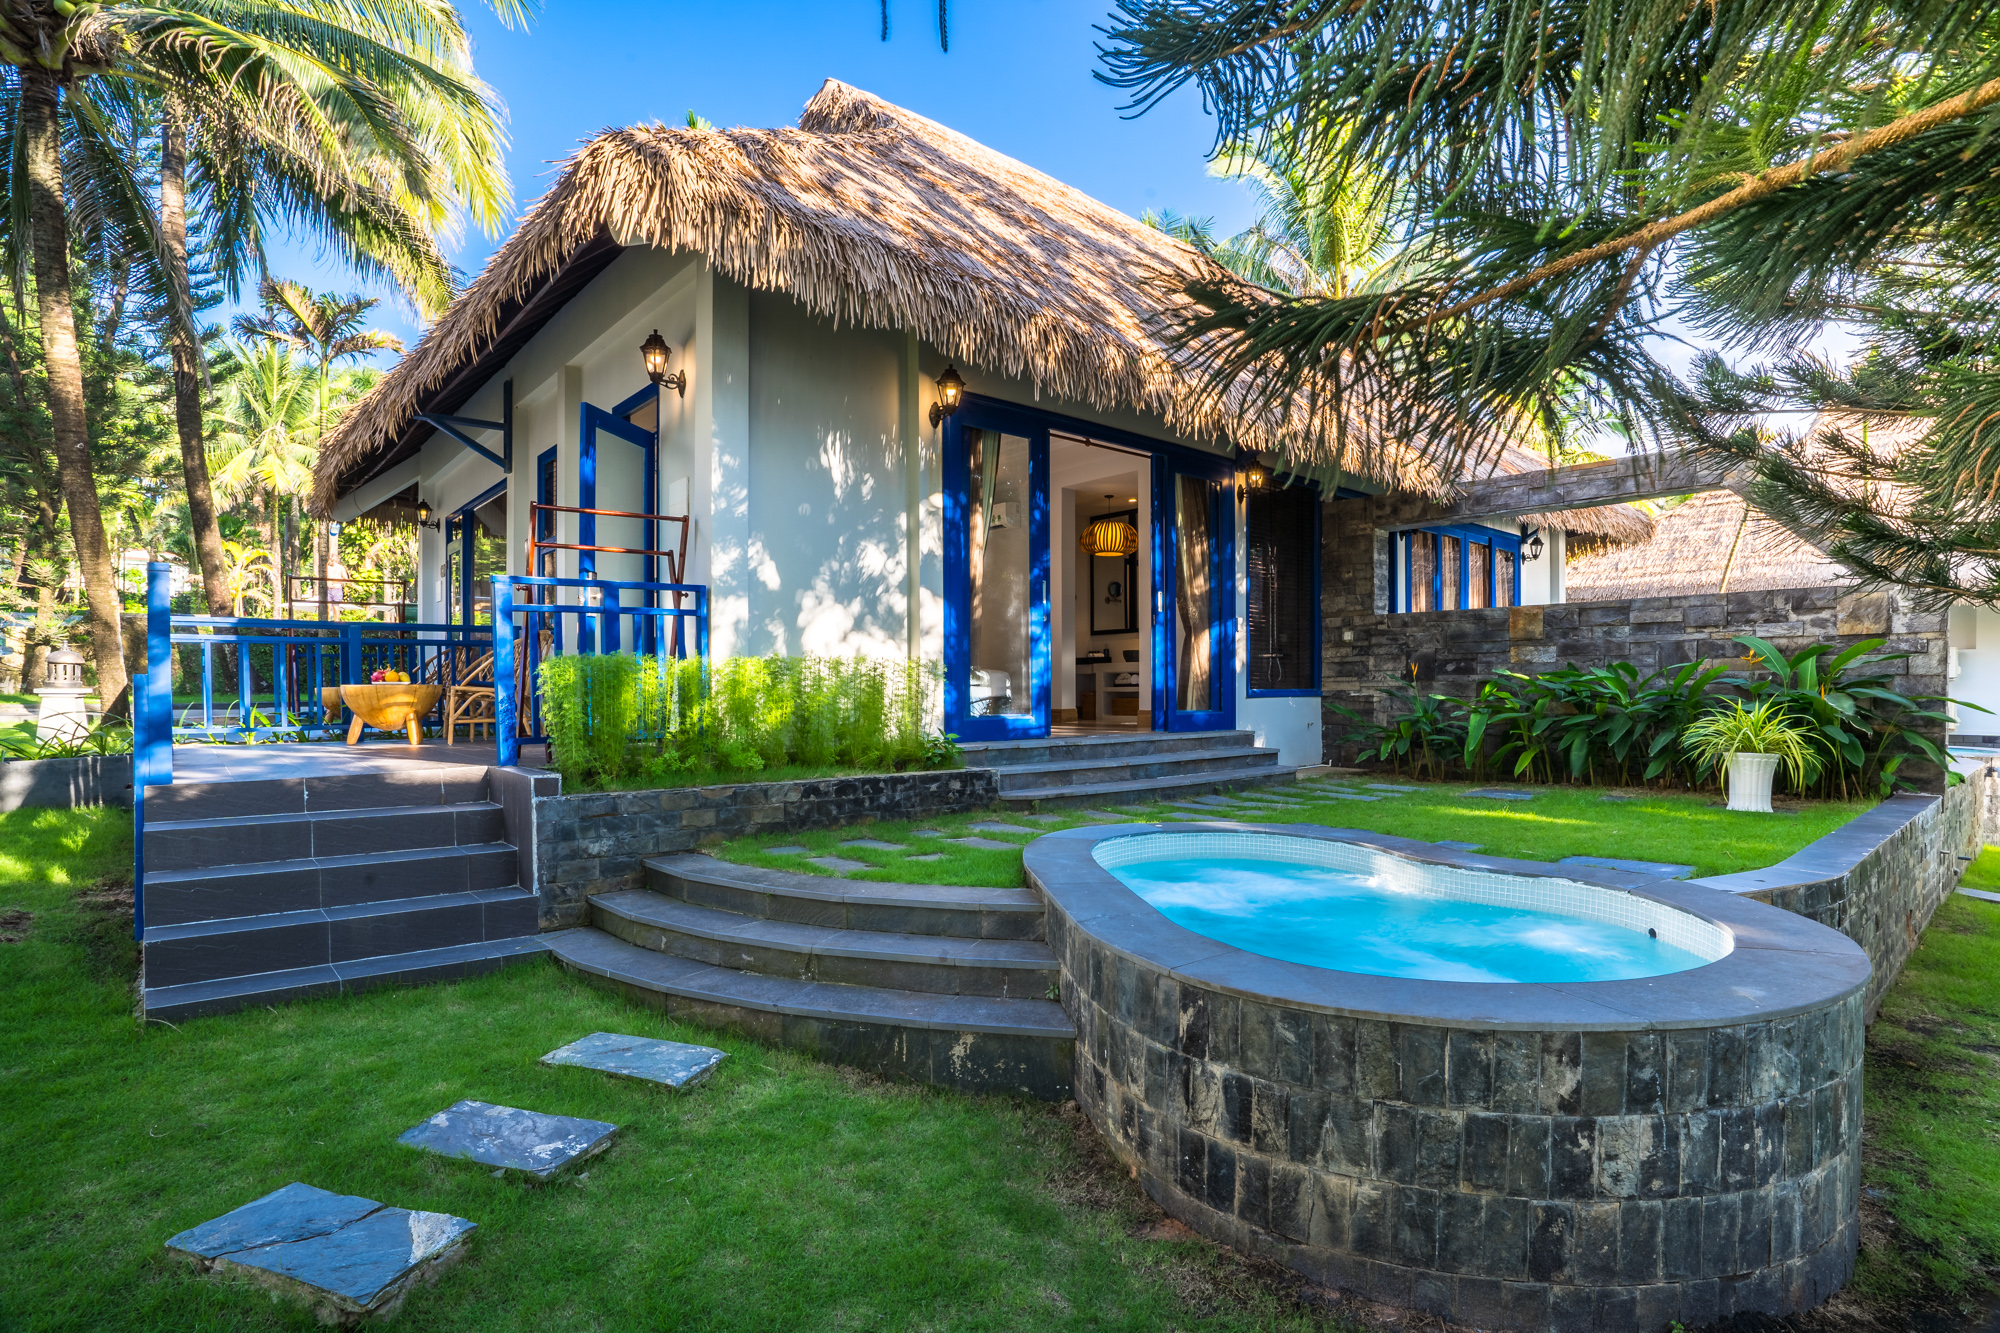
1750, 781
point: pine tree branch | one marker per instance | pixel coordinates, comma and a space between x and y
1761, 186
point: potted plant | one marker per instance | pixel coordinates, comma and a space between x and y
1754, 741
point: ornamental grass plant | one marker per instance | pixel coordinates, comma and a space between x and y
615, 719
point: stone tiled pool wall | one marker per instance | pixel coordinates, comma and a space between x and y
1879, 878
594, 842
1609, 1155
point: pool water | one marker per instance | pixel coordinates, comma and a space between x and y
1390, 924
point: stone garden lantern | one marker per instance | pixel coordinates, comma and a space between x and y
60, 714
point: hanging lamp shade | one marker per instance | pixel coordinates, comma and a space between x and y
1110, 537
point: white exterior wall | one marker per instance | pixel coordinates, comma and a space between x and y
1974, 638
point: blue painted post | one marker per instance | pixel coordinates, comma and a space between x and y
153, 713
610, 620
506, 708
701, 628
350, 654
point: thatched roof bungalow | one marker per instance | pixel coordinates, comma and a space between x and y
810, 287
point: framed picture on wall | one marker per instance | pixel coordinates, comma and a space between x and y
1114, 589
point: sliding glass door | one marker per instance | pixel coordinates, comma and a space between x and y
1194, 566
997, 664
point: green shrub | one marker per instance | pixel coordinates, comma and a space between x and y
619, 719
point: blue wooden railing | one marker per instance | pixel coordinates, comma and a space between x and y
532, 621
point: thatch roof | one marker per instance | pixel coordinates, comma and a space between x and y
1710, 543
870, 214
1611, 524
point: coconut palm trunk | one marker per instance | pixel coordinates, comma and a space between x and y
187, 365
41, 93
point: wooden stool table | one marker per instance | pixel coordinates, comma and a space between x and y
388, 705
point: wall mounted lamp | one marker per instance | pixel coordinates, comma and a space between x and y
1255, 474
1533, 550
656, 352
951, 388
424, 519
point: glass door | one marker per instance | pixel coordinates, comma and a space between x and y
1194, 601
997, 664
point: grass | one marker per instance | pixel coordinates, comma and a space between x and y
1932, 1096
783, 1195
1686, 829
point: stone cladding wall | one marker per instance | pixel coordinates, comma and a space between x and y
1366, 650
1879, 878
1526, 1180
594, 842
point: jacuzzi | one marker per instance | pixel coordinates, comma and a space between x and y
1504, 1146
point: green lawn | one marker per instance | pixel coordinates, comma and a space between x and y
783, 1195
1932, 1088
1558, 822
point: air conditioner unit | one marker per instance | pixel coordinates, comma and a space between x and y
1006, 514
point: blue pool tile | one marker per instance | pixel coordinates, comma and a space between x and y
1661, 869
674, 1063
510, 1138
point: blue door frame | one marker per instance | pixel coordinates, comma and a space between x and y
1168, 469
986, 414
615, 423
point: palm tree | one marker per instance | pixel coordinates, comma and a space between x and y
267, 440
360, 121
329, 328
1323, 223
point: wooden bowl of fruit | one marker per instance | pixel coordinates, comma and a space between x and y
389, 705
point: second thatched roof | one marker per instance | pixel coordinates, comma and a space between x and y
1711, 543
874, 215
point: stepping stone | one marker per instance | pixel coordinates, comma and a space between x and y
875, 843
345, 1256
995, 826
927, 833
509, 1138
1497, 794
1182, 814
786, 851
1351, 796
1204, 800
1388, 786
1104, 816
932, 856
1458, 846
1982, 895
1662, 869
988, 844
1041, 819
674, 1063
839, 863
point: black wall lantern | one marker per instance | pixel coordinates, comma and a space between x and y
950, 387
1534, 547
424, 519
656, 352
1255, 474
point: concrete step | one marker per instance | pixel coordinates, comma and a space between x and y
1097, 749
1135, 768
430, 784
938, 964
1147, 790
212, 893
198, 951
980, 1044
194, 999
189, 844
817, 900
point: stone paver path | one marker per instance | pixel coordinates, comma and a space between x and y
996, 826
345, 1256
987, 844
509, 1138
674, 1063
1500, 794
928, 856
1388, 786
786, 851
839, 863
875, 843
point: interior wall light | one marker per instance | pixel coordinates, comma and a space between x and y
656, 352
951, 389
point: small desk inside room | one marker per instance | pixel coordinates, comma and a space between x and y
1101, 698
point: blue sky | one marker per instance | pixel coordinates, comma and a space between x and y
1018, 77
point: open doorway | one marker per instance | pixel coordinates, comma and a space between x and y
1103, 560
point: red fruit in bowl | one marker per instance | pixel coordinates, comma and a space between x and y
376, 678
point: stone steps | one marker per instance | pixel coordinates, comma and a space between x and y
980, 1044
934, 964
813, 900
276, 888
1138, 791
195, 999
1134, 768
1058, 771
1110, 747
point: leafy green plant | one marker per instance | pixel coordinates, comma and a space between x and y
101, 739
589, 706
1764, 729
1426, 733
